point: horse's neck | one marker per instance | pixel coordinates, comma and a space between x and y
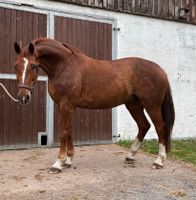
50, 57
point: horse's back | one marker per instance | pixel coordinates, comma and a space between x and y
111, 83
136, 65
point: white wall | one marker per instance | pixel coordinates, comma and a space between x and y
173, 46
170, 44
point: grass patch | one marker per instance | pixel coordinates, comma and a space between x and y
181, 149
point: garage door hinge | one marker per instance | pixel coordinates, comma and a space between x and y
116, 29
115, 136
26, 4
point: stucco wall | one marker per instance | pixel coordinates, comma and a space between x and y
172, 45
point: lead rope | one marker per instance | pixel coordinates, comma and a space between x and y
16, 100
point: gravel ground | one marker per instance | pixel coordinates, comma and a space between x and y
98, 173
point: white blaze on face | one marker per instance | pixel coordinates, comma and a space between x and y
24, 69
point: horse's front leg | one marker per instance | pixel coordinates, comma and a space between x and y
66, 151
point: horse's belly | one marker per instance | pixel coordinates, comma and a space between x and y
106, 91
103, 101
98, 105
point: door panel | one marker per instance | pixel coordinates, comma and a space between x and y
19, 124
95, 40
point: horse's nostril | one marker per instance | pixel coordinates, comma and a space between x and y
19, 97
28, 97
24, 99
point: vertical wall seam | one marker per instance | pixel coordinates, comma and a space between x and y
49, 101
114, 56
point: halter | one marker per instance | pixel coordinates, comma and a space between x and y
28, 87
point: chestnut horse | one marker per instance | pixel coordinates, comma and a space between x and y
76, 80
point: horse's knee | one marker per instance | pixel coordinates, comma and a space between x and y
63, 136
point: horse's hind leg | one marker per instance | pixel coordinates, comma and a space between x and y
137, 111
157, 119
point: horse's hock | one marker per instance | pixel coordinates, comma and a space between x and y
98, 172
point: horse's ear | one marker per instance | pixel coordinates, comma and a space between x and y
31, 48
17, 48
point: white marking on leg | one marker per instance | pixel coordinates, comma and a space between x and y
68, 160
136, 145
133, 149
161, 156
58, 164
162, 150
25, 69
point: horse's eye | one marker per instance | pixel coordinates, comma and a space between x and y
15, 66
33, 66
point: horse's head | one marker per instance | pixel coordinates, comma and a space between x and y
26, 71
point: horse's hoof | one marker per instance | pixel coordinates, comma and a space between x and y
54, 170
129, 161
67, 166
157, 166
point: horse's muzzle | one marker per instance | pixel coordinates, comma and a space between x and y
24, 98
24, 94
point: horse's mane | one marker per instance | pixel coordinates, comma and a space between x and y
71, 48
68, 46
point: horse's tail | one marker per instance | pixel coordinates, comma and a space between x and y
168, 114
